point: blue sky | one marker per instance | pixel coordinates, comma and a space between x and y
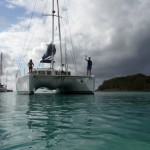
8, 15
115, 34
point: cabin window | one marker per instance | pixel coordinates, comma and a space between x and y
41, 72
62, 73
56, 72
34, 72
48, 72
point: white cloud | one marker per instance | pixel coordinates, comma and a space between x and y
111, 32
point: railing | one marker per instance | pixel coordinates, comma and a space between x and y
41, 72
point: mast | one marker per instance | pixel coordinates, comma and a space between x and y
53, 50
6, 77
59, 33
66, 63
1, 70
1, 64
53, 14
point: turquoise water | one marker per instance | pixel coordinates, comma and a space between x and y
104, 121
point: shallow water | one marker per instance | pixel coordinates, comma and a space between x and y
104, 121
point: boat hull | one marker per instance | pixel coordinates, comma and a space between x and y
29, 83
3, 89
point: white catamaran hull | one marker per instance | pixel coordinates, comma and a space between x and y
29, 83
60, 80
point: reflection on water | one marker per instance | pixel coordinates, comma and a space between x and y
101, 121
55, 117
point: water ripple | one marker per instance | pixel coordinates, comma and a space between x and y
102, 121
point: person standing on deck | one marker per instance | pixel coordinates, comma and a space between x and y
30, 65
89, 65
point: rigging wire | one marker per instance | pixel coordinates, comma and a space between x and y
35, 30
26, 37
75, 64
22, 58
66, 39
71, 54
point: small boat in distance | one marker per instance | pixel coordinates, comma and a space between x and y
61, 80
9, 90
3, 87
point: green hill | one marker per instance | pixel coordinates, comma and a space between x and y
138, 82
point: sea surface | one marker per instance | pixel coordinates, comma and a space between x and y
104, 121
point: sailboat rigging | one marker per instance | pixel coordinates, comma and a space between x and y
60, 80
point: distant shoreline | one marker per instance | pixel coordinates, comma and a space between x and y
121, 91
133, 83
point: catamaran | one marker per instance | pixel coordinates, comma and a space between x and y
61, 80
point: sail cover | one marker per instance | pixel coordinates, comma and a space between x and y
47, 57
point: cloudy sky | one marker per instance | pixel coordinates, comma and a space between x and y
114, 33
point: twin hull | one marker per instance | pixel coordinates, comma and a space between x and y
29, 83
